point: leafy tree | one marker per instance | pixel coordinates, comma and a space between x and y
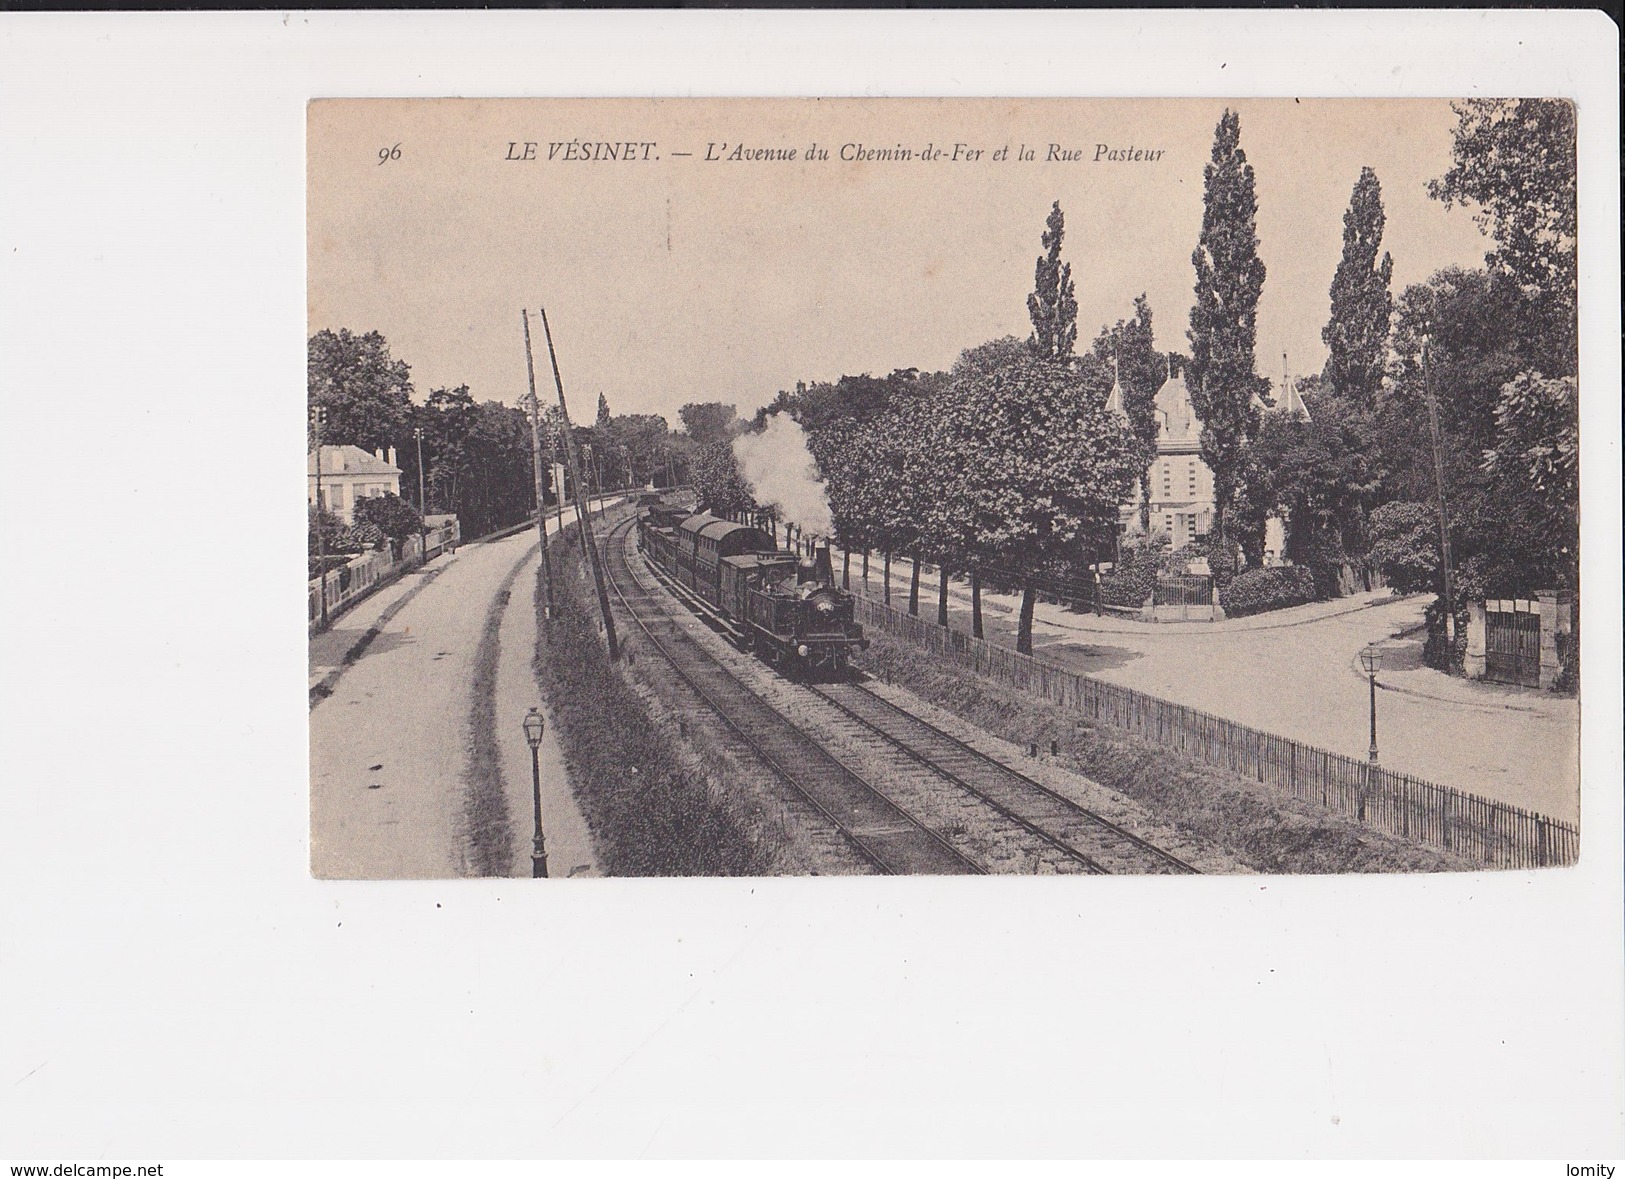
366, 392
641, 440
845, 455
1535, 464
896, 441
496, 484
1229, 280
1051, 306
1140, 371
1039, 468
1357, 332
327, 525
390, 514
1514, 158
1405, 545
1314, 475
851, 399
721, 489
1501, 533
709, 422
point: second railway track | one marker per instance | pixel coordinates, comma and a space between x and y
1103, 847
885, 831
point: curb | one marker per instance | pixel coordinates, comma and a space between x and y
1207, 629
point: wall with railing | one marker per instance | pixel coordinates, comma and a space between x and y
1493, 833
357, 578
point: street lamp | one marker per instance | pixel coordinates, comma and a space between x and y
534, 726
1371, 660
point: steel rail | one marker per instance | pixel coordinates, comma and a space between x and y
925, 847
1074, 810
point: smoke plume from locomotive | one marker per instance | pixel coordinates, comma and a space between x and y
781, 472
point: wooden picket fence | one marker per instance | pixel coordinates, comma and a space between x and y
1496, 834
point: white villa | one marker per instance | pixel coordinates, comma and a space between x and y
348, 474
1181, 482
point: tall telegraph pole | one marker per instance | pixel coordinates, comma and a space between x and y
536, 460
317, 415
1438, 479
587, 542
423, 504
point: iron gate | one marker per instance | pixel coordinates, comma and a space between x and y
1184, 589
1512, 643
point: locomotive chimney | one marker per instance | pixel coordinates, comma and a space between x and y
823, 570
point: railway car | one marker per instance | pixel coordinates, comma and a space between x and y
789, 612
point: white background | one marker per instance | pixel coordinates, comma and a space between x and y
174, 985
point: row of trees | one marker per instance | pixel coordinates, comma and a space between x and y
1009, 463
477, 456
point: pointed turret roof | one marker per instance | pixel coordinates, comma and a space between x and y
1114, 399
1174, 410
1292, 402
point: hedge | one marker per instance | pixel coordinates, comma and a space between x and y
1258, 590
1132, 581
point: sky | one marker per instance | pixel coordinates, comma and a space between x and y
670, 278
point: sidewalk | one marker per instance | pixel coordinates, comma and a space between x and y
343, 641
1062, 618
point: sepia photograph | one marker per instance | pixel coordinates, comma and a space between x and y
887, 585
794, 487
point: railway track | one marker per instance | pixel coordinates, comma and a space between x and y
1061, 830
1100, 846
891, 839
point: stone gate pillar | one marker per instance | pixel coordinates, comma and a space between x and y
1556, 618
1474, 664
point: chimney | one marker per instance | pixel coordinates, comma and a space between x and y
822, 568
379, 454
392, 461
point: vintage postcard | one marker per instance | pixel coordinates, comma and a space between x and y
915, 486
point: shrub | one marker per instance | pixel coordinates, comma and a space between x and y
1437, 650
359, 538
1131, 582
1324, 560
1223, 560
327, 525
1258, 590
391, 514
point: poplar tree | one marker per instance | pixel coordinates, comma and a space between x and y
1224, 319
1357, 332
1051, 306
1140, 370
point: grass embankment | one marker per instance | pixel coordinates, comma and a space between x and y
650, 815
487, 826
1265, 830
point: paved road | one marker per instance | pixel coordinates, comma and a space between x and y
1302, 680
389, 748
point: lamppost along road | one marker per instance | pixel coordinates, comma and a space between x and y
534, 727
1371, 660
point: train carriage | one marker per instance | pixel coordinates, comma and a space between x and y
789, 612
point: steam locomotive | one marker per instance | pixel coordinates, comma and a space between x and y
788, 610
